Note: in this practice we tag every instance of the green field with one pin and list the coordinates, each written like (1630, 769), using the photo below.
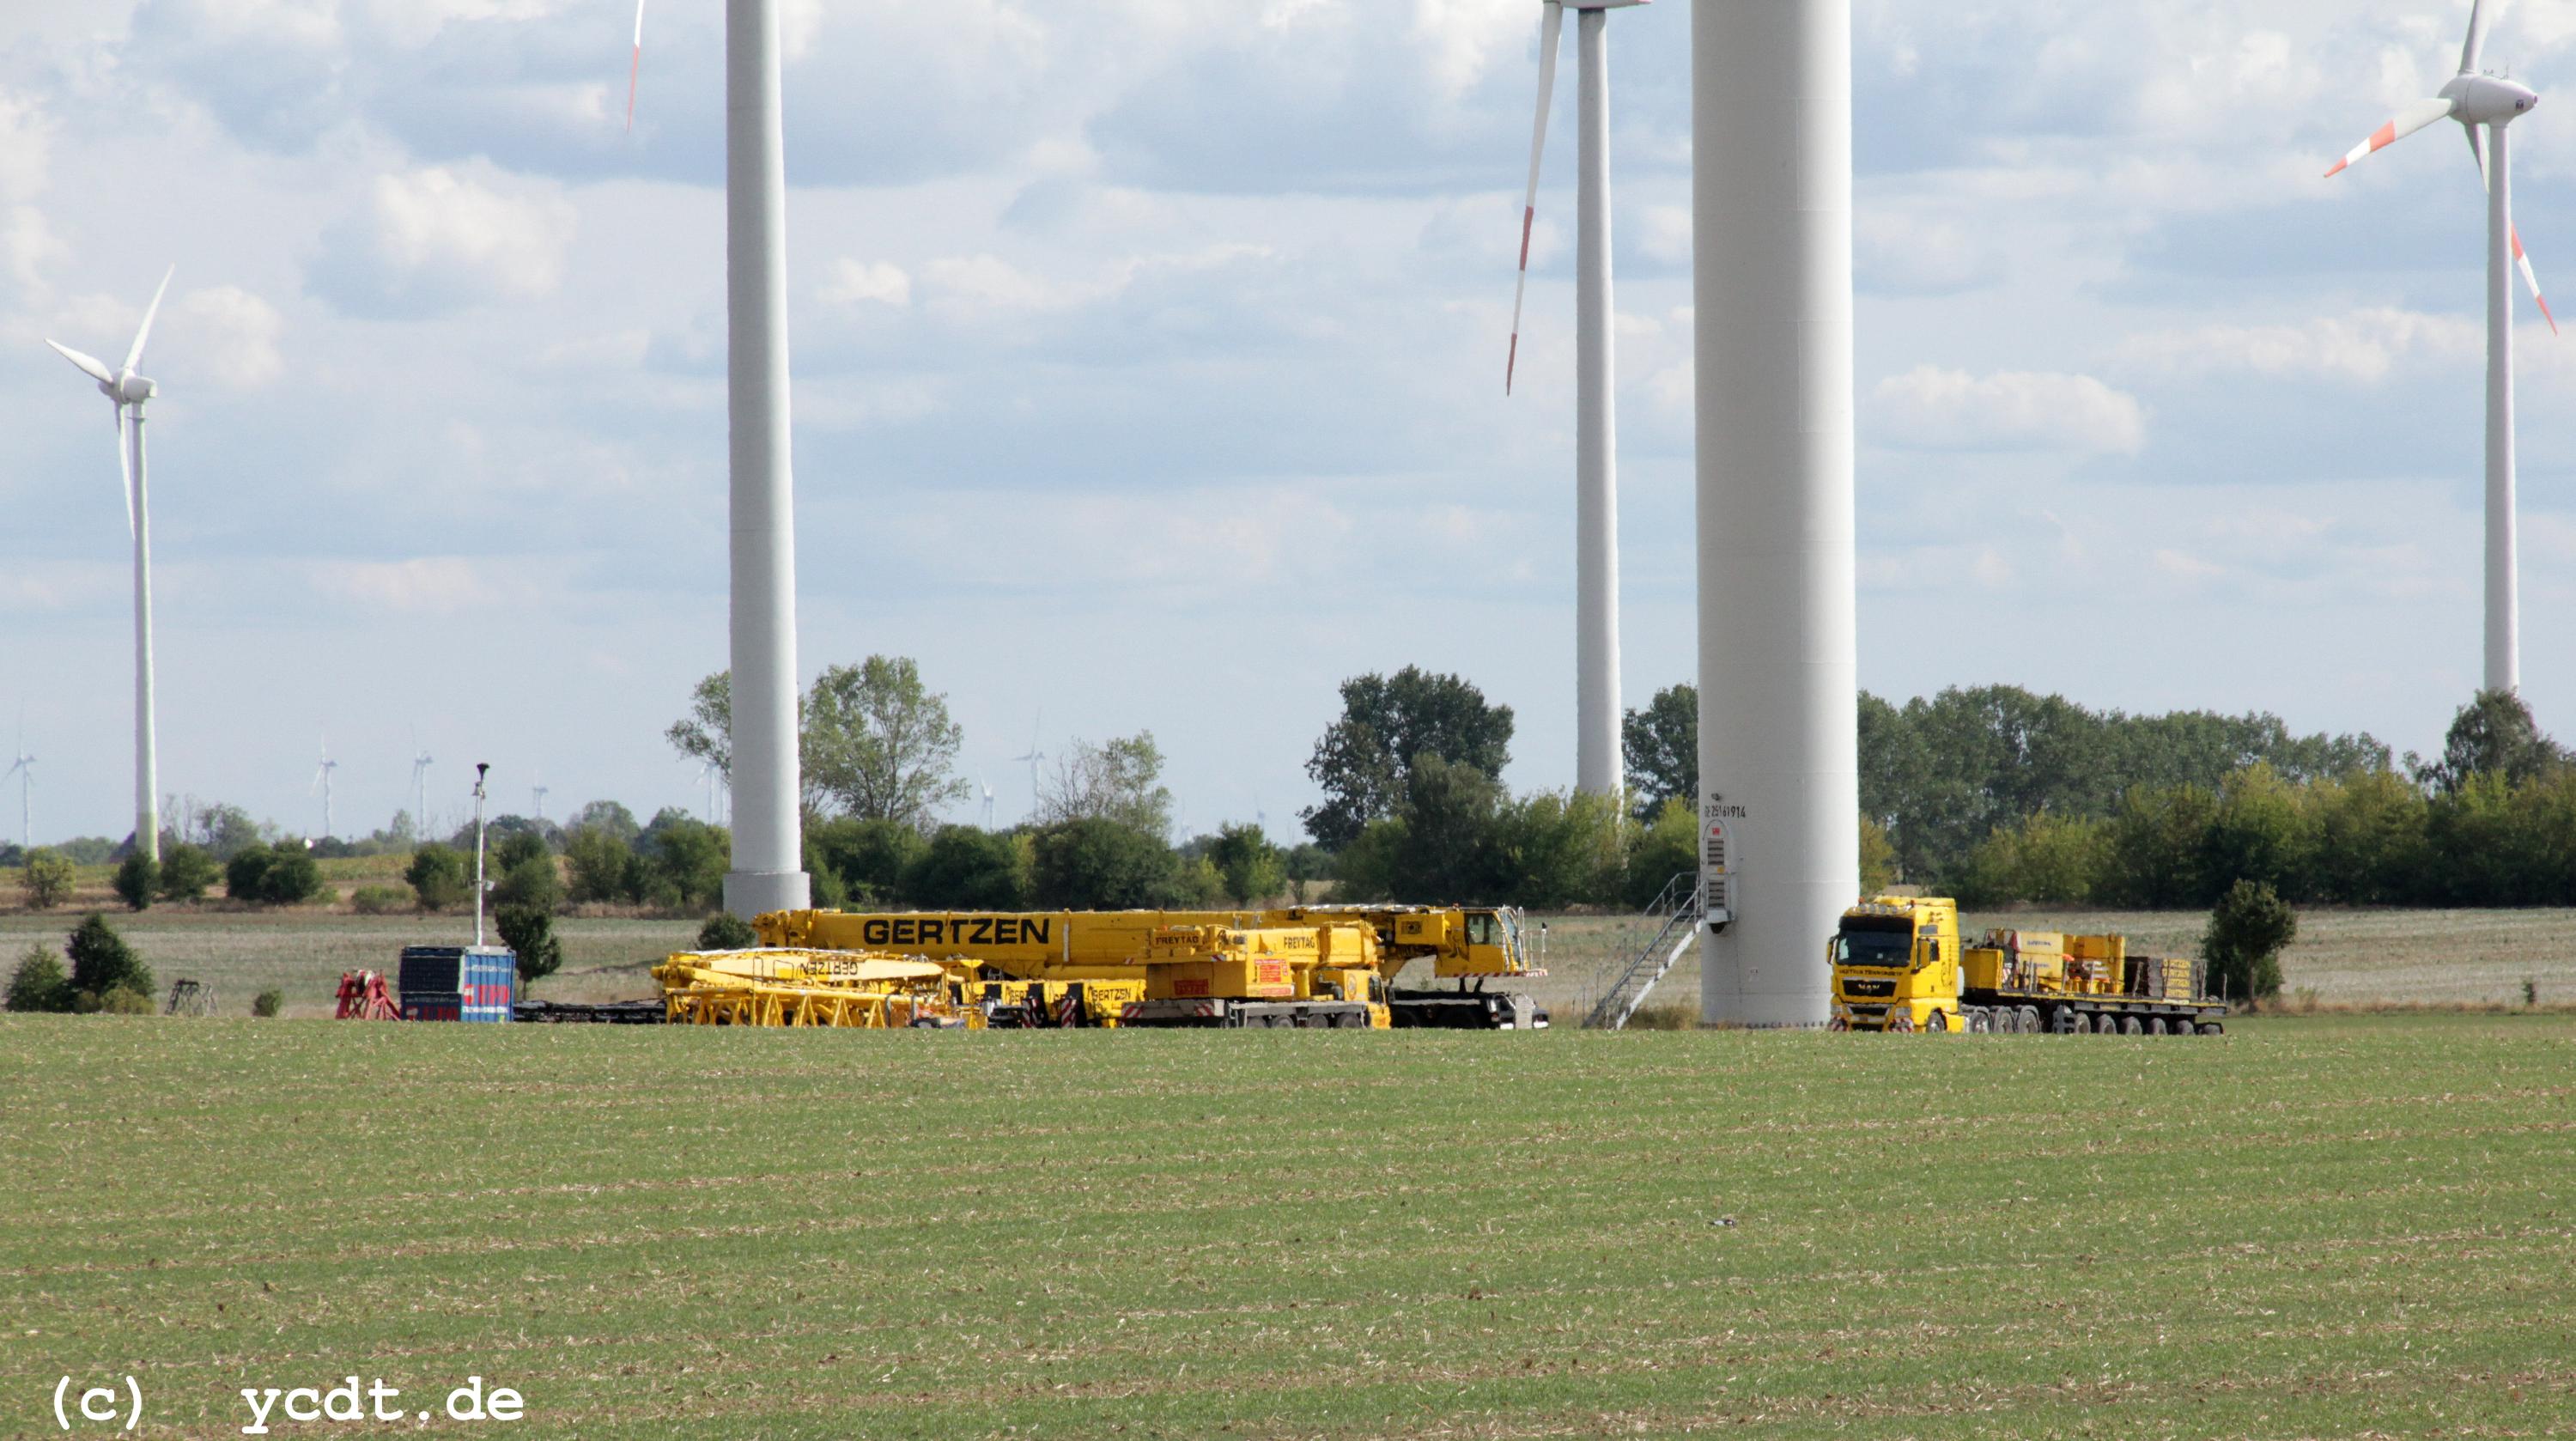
(2314, 1226)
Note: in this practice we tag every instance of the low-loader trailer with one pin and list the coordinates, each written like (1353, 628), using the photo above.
(1898, 965)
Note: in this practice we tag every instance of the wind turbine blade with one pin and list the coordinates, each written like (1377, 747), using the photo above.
(2523, 262)
(90, 365)
(635, 71)
(2477, 41)
(134, 357)
(1550, 30)
(2409, 120)
(125, 468)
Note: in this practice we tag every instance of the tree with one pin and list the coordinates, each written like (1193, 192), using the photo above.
(684, 861)
(528, 877)
(1098, 864)
(1552, 849)
(1306, 864)
(705, 734)
(2247, 931)
(603, 865)
(1118, 781)
(868, 857)
(1877, 858)
(530, 931)
(2494, 734)
(437, 875)
(2154, 851)
(186, 871)
(880, 744)
(607, 816)
(1249, 866)
(968, 869)
(138, 877)
(2263, 832)
(280, 875)
(1667, 845)
(46, 879)
(1365, 760)
(725, 931)
(39, 985)
(102, 964)
(1449, 813)
(2370, 847)
(1662, 745)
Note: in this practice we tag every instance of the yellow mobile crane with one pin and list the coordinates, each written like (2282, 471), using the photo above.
(1221, 968)
(1898, 965)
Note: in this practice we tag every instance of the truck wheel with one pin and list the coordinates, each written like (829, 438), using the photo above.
(2029, 1020)
(2129, 1026)
(1838, 1023)
(1936, 1024)
(2155, 1025)
(2212, 1028)
(1981, 1022)
(1902, 1026)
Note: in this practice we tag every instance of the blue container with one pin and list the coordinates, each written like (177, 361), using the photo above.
(458, 983)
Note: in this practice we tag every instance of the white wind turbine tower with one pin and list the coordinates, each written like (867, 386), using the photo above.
(129, 391)
(322, 783)
(1598, 767)
(420, 764)
(23, 766)
(1035, 758)
(987, 788)
(2484, 105)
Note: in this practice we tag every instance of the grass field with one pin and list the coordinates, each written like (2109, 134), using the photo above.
(2314, 1226)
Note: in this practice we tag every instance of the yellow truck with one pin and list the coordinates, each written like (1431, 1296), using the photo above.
(1306, 966)
(1899, 965)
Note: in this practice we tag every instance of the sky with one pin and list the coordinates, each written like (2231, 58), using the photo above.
(1148, 376)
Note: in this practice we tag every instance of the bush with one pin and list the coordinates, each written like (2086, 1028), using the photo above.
(46, 879)
(380, 900)
(870, 858)
(280, 875)
(39, 985)
(268, 1003)
(968, 869)
(1100, 865)
(102, 962)
(1365, 869)
(530, 931)
(684, 860)
(119, 1001)
(437, 876)
(725, 931)
(2243, 943)
(530, 881)
(603, 866)
(1250, 867)
(186, 872)
(1553, 849)
(138, 878)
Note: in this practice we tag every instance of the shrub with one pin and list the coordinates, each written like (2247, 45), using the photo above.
(2243, 943)
(379, 900)
(246, 874)
(138, 878)
(1100, 865)
(530, 880)
(119, 1001)
(968, 869)
(437, 876)
(186, 872)
(268, 1003)
(102, 963)
(530, 931)
(293, 876)
(1250, 867)
(39, 985)
(1365, 869)
(603, 866)
(685, 861)
(46, 878)
(725, 931)
(870, 857)
(1664, 847)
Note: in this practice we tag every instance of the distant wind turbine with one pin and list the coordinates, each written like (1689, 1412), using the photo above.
(23, 766)
(987, 788)
(540, 793)
(1034, 758)
(129, 391)
(420, 764)
(2478, 100)
(635, 70)
(322, 783)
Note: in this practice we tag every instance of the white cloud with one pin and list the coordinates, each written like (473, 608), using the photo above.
(1902, 254)
(230, 335)
(859, 282)
(435, 239)
(2362, 346)
(1937, 409)
(427, 585)
(27, 246)
(25, 146)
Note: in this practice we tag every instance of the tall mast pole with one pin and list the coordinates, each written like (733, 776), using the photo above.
(768, 850)
(1598, 767)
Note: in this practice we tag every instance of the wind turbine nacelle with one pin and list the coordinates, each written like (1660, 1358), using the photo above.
(133, 389)
(2487, 100)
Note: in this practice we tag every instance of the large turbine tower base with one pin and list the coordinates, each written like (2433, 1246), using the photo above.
(1599, 768)
(2503, 608)
(1778, 737)
(768, 847)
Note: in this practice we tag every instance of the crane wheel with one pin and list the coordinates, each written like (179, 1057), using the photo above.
(2212, 1028)
(1936, 1024)
(2029, 1020)
(2155, 1025)
(2129, 1026)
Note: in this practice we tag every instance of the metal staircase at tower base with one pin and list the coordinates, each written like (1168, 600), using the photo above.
(1679, 903)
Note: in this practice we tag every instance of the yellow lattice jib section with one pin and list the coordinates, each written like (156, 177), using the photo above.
(780, 987)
